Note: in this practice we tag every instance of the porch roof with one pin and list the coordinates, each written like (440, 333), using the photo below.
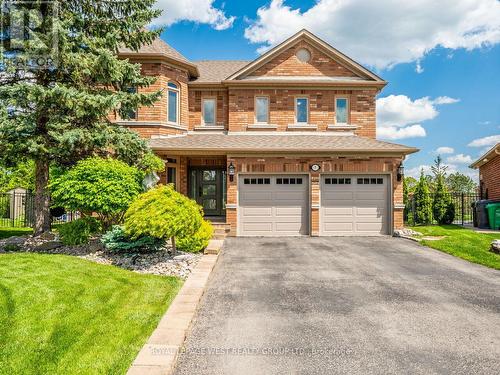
(277, 143)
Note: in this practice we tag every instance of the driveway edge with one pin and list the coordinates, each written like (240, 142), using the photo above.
(159, 355)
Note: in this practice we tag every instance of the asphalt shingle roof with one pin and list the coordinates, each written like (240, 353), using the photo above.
(299, 143)
(215, 71)
(158, 46)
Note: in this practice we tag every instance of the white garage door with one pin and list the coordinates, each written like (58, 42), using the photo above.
(354, 205)
(273, 205)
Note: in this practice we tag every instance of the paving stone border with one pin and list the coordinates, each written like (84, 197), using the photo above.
(158, 356)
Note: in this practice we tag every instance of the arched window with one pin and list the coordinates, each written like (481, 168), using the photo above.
(173, 102)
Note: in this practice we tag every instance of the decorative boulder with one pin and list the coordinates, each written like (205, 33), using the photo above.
(495, 247)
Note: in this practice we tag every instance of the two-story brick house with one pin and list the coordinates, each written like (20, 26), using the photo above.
(282, 145)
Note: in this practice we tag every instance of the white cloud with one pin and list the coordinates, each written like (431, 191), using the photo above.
(418, 67)
(382, 33)
(199, 11)
(392, 132)
(459, 159)
(398, 116)
(444, 150)
(485, 141)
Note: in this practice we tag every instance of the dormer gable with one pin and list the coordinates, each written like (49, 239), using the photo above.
(304, 56)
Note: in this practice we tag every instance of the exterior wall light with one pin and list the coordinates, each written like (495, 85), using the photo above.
(231, 170)
(401, 171)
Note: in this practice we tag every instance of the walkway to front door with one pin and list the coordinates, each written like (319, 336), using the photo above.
(208, 187)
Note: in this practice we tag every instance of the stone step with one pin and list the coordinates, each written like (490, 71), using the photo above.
(214, 246)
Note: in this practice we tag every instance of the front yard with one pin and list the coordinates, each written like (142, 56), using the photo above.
(65, 315)
(463, 243)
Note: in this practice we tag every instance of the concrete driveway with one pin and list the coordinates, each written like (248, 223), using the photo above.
(344, 305)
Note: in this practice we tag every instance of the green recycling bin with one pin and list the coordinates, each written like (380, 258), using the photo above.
(493, 215)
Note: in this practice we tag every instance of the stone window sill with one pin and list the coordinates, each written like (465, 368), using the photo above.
(262, 126)
(209, 127)
(303, 126)
(170, 125)
(342, 127)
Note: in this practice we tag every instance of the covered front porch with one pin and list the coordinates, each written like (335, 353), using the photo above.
(203, 179)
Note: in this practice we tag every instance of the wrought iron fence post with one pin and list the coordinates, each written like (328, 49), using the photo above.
(463, 209)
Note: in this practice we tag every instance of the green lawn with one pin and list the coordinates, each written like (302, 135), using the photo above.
(65, 315)
(9, 232)
(463, 243)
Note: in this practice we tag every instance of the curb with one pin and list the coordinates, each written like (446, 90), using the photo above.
(159, 355)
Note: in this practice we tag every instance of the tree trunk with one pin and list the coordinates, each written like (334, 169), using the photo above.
(174, 248)
(42, 198)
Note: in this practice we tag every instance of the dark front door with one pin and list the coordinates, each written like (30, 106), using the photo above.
(207, 188)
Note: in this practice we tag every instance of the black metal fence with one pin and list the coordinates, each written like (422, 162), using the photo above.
(463, 208)
(17, 210)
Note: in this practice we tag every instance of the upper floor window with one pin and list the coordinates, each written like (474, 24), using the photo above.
(262, 109)
(301, 110)
(208, 108)
(132, 113)
(173, 103)
(341, 110)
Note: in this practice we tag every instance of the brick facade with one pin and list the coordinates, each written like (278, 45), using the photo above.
(235, 112)
(489, 176)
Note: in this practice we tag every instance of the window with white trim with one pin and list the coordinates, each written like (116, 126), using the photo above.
(173, 102)
(341, 111)
(262, 109)
(301, 110)
(208, 107)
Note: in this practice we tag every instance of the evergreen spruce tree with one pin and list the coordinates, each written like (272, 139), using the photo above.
(441, 205)
(56, 112)
(423, 201)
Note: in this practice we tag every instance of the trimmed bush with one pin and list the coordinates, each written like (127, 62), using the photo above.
(199, 240)
(117, 240)
(104, 186)
(163, 213)
(78, 232)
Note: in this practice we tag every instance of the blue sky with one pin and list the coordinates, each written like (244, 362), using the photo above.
(441, 59)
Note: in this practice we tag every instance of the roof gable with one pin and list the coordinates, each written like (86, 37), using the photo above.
(325, 61)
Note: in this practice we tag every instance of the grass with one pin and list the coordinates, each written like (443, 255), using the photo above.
(463, 243)
(65, 315)
(6, 232)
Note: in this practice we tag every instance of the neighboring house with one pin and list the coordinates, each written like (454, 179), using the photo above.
(489, 173)
(282, 145)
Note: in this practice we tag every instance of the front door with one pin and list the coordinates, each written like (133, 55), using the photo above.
(207, 188)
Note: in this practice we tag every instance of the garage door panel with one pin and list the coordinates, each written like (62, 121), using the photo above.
(370, 195)
(281, 208)
(258, 226)
(257, 211)
(289, 211)
(338, 227)
(338, 211)
(249, 197)
(359, 208)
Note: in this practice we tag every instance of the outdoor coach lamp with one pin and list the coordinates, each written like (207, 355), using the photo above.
(231, 171)
(401, 171)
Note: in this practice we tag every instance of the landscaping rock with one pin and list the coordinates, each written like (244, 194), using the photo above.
(495, 247)
(13, 241)
(406, 232)
(47, 246)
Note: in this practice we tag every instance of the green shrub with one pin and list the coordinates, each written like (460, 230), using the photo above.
(117, 240)
(104, 186)
(423, 201)
(199, 240)
(78, 232)
(163, 213)
(449, 215)
(11, 247)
